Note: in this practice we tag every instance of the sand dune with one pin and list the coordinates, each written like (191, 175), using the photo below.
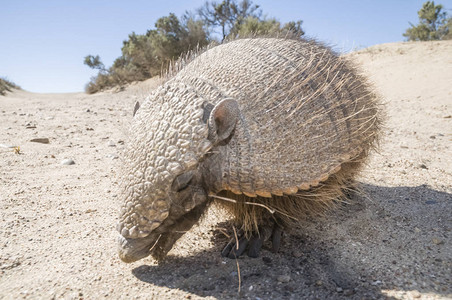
(57, 236)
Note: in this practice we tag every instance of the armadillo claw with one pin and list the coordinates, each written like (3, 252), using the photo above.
(252, 245)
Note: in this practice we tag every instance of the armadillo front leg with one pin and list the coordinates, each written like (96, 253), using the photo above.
(237, 246)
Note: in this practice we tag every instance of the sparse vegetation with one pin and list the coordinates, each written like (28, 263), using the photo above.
(434, 24)
(7, 86)
(255, 26)
(144, 56)
(147, 55)
(228, 15)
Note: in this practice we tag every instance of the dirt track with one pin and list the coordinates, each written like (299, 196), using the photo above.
(57, 233)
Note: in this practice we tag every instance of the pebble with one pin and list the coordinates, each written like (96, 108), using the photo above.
(30, 126)
(40, 140)
(415, 294)
(437, 241)
(349, 292)
(68, 162)
(297, 253)
(377, 282)
(111, 144)
(283, 278)
(423, 166)
(319, 282)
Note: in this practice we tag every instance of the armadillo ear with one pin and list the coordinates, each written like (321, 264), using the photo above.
(223, 119)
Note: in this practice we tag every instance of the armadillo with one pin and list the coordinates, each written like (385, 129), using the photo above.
(274, 128)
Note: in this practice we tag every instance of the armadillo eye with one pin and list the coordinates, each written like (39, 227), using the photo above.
(182, 181)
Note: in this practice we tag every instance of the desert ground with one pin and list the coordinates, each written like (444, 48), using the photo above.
(393, 241)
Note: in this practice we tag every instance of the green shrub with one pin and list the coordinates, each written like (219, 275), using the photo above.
(434, 24)
(255, 26)
(145, 56)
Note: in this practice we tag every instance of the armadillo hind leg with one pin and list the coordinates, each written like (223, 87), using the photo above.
(253, 243)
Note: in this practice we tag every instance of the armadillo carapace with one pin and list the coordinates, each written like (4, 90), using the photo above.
(274, 127)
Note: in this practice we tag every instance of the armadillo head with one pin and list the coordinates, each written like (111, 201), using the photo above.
(163, 185)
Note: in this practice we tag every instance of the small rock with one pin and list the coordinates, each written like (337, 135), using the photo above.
(283, 278)
(88, 110)
(68, 162)
(89, 129)
(40, 140)
(339, 290)
(415, 294)
(423, 166)
(447, 117)
(376, 282)
(319, 283)
(297, 253)
(437, 241)
(348, 292)
(111, 144)
(433, 137)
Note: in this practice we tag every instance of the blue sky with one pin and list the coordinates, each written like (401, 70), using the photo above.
(43, 43)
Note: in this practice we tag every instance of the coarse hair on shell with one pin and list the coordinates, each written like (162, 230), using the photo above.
(288, 210)
(324, 193)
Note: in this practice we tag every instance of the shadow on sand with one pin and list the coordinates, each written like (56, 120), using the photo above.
(394, 239)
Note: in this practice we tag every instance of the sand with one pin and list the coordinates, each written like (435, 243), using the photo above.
(57, 222)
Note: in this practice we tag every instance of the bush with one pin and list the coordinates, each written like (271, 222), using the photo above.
(145, 56)
(434, 24)
(255, 26)
(7, 86)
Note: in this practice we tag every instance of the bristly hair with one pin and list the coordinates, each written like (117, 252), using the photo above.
(326, 193)
(291, 209)
(174, 66)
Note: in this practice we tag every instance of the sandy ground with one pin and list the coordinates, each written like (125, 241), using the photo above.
(57, 222)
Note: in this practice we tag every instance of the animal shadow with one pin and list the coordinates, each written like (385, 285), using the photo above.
(391, 241)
